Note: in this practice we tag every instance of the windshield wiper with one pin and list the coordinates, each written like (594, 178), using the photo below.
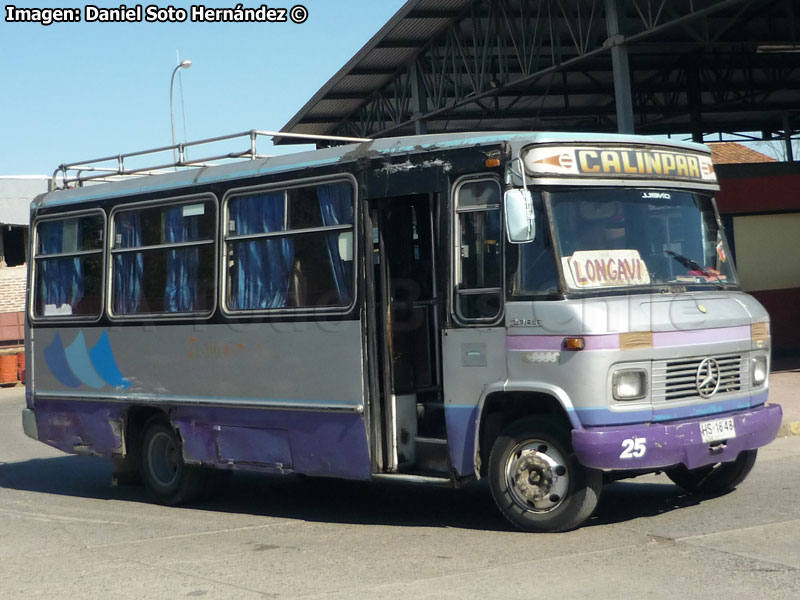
(693, 265)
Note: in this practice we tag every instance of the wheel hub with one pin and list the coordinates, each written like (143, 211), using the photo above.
(537, 476)
(533, 478)
(163, 458)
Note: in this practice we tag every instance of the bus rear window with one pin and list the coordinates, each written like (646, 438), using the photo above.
(68, 272)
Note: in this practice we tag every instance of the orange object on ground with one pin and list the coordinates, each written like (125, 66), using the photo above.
(21, 366)
(8, 368)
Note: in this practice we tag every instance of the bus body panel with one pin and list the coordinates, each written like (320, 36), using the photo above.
(216, 382)
(247, 361)
(580, 380)
(474, 361)
(678, 330)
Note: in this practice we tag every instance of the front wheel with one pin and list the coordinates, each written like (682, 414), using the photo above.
(536, 481)
(169, 480)
(714, 479)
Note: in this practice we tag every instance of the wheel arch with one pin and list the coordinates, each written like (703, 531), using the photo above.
(135, 419)
(498, 407)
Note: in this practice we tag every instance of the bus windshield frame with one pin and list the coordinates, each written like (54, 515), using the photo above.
(618, 240)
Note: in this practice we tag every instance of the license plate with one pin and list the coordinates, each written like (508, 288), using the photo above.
(717, 430)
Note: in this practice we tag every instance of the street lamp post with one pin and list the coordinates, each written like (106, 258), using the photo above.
(185, 64)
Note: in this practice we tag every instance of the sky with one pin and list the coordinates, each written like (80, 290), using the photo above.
(77, 91)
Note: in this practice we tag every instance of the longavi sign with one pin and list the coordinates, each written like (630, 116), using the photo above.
(588, 269)
(619, 163)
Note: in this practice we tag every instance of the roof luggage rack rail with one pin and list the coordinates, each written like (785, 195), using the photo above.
(78, 173)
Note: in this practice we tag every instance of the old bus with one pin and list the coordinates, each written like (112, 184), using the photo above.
(546, 311)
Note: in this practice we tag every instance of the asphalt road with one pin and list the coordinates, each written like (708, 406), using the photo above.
(65, 532)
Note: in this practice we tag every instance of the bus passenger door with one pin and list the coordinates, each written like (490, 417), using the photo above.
(405, 321)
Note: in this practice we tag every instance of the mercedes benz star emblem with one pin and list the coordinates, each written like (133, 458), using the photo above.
(707, 378)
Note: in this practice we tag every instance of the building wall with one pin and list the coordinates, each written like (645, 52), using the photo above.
(12, 305)
(16, 194)
(761, 205)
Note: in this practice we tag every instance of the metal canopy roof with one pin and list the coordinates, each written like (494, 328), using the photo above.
(694, 67)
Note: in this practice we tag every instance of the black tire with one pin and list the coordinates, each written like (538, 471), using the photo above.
(168, 479)
(714, 479)
(534, 451)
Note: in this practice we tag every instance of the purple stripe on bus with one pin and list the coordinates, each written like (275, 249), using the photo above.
(81, 428)
(556, 342)
(320, 443)
(461, 421)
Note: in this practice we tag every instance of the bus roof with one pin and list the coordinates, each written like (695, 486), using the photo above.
(144, 184)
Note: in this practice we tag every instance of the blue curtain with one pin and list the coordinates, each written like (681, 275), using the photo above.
(263, 267)
(61, 278)
(336, 204)
(181, 292)
(129, 267)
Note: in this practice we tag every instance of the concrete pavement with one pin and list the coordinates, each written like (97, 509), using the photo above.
(65, 532)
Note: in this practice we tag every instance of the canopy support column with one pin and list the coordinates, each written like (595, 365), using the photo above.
(622, 72)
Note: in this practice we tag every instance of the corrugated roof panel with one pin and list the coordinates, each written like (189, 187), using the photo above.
(417, 29)
(441, 4)
(334, 107)
(392, 58)
(312, 129)
(315, 129)
(356, 83)
(16, 194)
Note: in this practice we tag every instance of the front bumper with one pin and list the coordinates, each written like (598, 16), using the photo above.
(662, 445)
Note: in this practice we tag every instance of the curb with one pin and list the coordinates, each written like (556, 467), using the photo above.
(789, 428)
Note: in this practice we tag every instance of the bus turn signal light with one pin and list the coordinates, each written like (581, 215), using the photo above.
(574, 343)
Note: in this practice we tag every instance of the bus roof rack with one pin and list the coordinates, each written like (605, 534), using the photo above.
(95, 170)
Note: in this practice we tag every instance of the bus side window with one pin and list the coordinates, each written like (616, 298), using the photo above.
(69, 267)
(163, 259)
(479, 268)
(289, 248)
(531, 267)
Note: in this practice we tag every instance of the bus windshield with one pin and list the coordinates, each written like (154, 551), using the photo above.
(621, 238)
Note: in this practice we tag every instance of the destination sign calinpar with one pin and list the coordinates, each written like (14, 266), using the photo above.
(619, 163)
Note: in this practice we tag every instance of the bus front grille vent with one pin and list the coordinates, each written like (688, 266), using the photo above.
(678, 379)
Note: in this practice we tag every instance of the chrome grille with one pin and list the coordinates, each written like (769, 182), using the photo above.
(676, 379)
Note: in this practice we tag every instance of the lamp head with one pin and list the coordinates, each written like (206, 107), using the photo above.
(185, 64)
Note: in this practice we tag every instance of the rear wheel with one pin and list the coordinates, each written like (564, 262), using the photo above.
(714, 479)
(169, 480)
(536, 481)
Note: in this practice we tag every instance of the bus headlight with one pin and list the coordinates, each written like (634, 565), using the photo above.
(629, 384)
(759, 370)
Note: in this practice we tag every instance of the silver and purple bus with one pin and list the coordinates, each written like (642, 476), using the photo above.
(548, 311)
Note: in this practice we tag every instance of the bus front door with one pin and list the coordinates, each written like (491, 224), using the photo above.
(406, 314)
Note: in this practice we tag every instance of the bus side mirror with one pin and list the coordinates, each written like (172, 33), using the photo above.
(520, 217)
